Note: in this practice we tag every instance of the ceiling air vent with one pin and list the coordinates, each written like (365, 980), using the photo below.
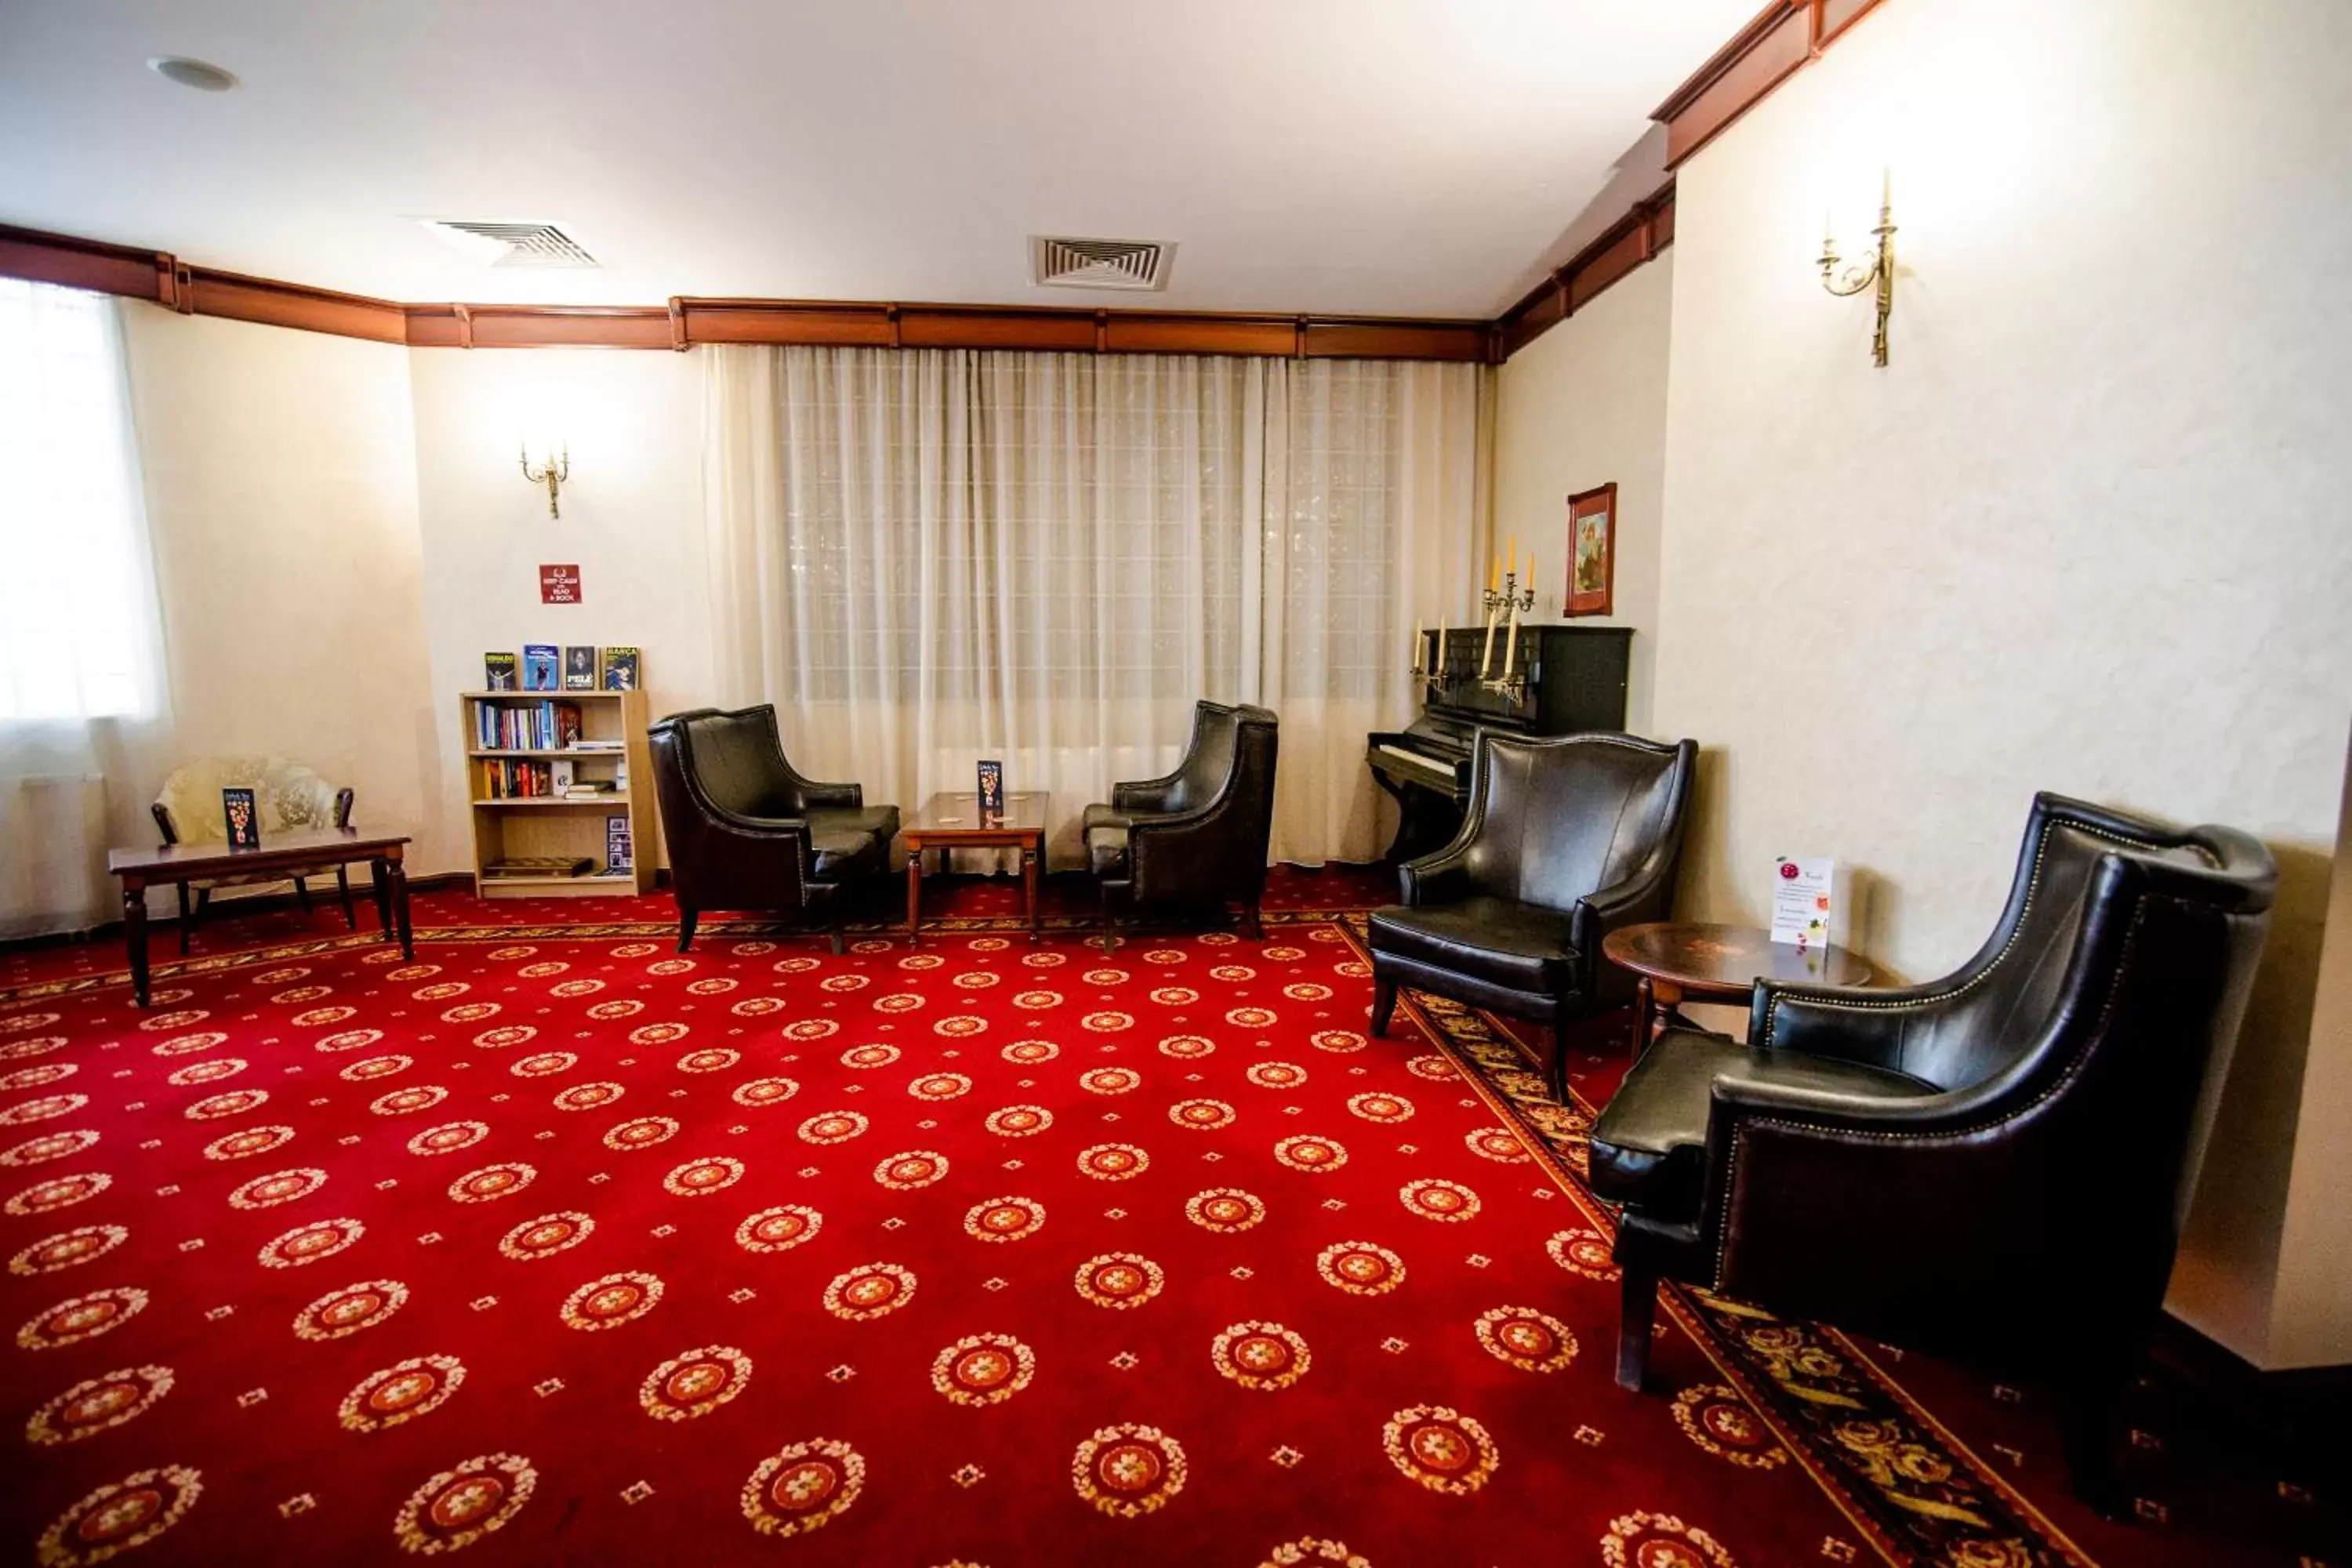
(1062, 263)
(513, 244)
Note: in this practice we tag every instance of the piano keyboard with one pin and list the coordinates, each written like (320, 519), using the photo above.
(1419, 762)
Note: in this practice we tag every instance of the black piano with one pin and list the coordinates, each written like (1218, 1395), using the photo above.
(1576, 681)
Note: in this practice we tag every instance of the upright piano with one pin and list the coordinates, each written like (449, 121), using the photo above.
(1576, 681)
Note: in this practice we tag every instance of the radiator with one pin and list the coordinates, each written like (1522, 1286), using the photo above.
(53, 854)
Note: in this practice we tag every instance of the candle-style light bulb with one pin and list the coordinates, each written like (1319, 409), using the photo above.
(1493, 574)
(1511, 641)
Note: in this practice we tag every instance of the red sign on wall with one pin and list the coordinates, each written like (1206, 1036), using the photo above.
(559, 584)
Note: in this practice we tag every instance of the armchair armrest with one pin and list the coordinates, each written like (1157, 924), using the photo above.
(1143, 797)
(768, 827)
(830, 794)
(1795, 1177)
(1438, 877)
(1848, 1022)
(1647, 895)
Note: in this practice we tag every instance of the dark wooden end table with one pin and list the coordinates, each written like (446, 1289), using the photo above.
(287, 853)
(1682, 960)
(954, 821)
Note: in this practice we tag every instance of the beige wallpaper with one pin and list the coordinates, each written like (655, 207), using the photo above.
(281, 495)
(632, 519)
(1584, 406)
(2085, 533)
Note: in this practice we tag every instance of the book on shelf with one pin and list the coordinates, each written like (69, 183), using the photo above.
(539, 661)
(542, 726)
(579, 786)
(579, 668)
(583, 743)
(506, 778)
(498, 672)
(540, 866)
(619, 853)
(559, 777)
(622, 669)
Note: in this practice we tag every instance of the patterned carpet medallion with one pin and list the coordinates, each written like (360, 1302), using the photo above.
(556, 1246)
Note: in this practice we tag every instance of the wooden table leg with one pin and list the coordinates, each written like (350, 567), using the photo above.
(1664, 997)
(383, 899)
(134, 934)
(1030, 855)
(1645, 1015)
(395, 877)
(914, 898)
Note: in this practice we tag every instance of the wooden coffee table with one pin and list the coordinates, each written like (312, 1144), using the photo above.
(1682, 960)
(285, 853)
(954, 821)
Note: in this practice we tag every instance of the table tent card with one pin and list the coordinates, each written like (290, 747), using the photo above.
(1809, 903)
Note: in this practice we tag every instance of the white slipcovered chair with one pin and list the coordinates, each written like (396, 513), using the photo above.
(288, 797)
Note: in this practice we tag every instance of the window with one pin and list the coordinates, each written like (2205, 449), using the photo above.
(74, 581)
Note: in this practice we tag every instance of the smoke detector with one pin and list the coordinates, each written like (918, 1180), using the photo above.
(511, 244)
(1058, 261)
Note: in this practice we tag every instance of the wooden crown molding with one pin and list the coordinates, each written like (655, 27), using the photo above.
(1637, 238)
(687, 322)
(1782, 38)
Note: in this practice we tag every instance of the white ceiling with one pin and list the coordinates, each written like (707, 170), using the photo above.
(1409, 157)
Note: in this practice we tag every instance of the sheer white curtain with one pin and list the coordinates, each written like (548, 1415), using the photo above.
(81, 694)
(928, 557)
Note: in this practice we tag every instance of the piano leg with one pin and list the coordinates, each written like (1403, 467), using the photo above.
(1427, 820)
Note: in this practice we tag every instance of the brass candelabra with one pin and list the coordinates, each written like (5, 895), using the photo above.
(1879, 273)
(1511, 600)
(554, 472)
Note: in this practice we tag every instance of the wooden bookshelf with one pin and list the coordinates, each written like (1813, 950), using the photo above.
(525, 826)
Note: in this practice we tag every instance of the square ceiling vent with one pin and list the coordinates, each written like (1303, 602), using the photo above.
(1058, 261)
(511, 244)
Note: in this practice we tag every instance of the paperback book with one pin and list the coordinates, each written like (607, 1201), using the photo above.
(579, 670)
(619, 853)
(539, 667)
(499, 672)
(623, 670)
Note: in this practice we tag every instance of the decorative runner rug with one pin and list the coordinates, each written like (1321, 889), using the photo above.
(556, 1246)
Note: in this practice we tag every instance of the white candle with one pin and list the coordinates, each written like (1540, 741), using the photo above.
(1417, 645)
(1511, 641)
(1440, 665)
(1486, 653)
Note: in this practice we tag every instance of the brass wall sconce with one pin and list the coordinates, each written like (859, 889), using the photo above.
(1880, 271)
(553, 473)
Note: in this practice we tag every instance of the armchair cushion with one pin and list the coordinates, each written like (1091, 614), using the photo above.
(876, 824)
(1106, 848)
(1502, 941)
(1649, 1146)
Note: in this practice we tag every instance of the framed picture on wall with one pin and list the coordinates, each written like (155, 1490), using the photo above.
(1592, 551)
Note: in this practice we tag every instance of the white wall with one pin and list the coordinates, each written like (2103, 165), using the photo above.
(632, 520)
(1581, 406)
(2087, 533)
(281, 496)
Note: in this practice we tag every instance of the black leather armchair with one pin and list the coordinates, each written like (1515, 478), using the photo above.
(746, 832)
(1198, 835)
(1992, 1167)
(1564, 840)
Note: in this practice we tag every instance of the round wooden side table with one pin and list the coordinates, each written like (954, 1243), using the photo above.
(1682, 960)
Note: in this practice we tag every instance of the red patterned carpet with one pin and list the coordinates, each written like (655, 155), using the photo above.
(554, 1247)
